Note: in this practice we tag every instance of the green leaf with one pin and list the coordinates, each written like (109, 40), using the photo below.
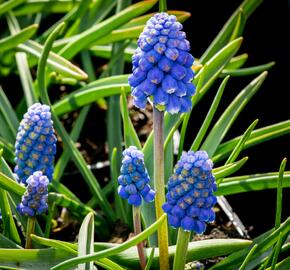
(248, 257)
(10, 185)
(247, 71)
(249, 183)
(91, 93)
(7, 243)
(276, 251)
(207, 121)
(256, 137)
(55, 61)
(8, 150)
(86, 241)
(230, 114)
(114, 250)
(229, 169)
(84, 39)
(8, 5)
(279, 194)
(105, 51)
(197, 250)
(38, 259)
(8, 113)
(237, 61)
(78, 159)
(131, 137)
(265, 242)
(224, 36)
(22, 36)
(48, 6)
(282, 265)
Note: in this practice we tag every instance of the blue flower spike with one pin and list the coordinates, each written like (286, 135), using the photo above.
(34, 200)
(190, 197)
(134, 179)
(35, 143)
(162, 66)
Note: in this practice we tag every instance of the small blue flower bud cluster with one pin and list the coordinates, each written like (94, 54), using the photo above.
(190, 195)
(35, 143)
(134, 179)
(34, 200)
(162, 66)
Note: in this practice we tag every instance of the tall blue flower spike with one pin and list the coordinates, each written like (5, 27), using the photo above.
(162, 66)
(34, 200)
(134, 179)
(190, 197)
(35, 143)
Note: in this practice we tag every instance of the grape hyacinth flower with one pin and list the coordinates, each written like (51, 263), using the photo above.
(162, 66)
(190, 197)
(34, 200)
(35, 143)
(134, 179)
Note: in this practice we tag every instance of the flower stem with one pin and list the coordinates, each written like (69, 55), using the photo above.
(137, 230)
(181, 249)
(158, 121)
(29, 231)
(162, 6)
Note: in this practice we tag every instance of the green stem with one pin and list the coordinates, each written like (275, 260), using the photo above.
(158, 122)
(181, 249)
(29, 231)
(162, 5)
(137, 230)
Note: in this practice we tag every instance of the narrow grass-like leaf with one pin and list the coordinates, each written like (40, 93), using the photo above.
(26, 78)
(223, 37)
(256, 137)
(279, 194)
(150, 259)
(79, 160)
(247, 183)
(248, 257)
(276, 252)
(81, 98)
(8, 5)
(7, 243)
(131, 137)
(86, 241)
(224, 123)
(55, 62)
(22, 36)
(6, 132)
(282, 265)
(197, 250)
(105, 51)
(10, 185)
(8, 112)
(264, 242)
(34, 259)
(203, 129)
(247, 71)
(49, 6)
(229, 169)
(240, 145)
(239, 27)
(115, 250)
(237, 61)
(8, 150)
(84, 39)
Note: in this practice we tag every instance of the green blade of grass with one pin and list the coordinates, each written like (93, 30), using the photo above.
(86, 241)
(14, 40)
(237, 61)
(224, 123)
(257, 136)
(203, 129)
(115, 250)
(84, 39)
(279, 194)
(248, 257)
(8, 5)
(79, 160)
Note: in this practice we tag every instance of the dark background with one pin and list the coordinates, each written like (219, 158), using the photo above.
(265, 40)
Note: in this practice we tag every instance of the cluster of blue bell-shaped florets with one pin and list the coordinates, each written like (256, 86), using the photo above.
(35, 143)
(162, 66)
(190, 197)
(34, 200)
(134, 179)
